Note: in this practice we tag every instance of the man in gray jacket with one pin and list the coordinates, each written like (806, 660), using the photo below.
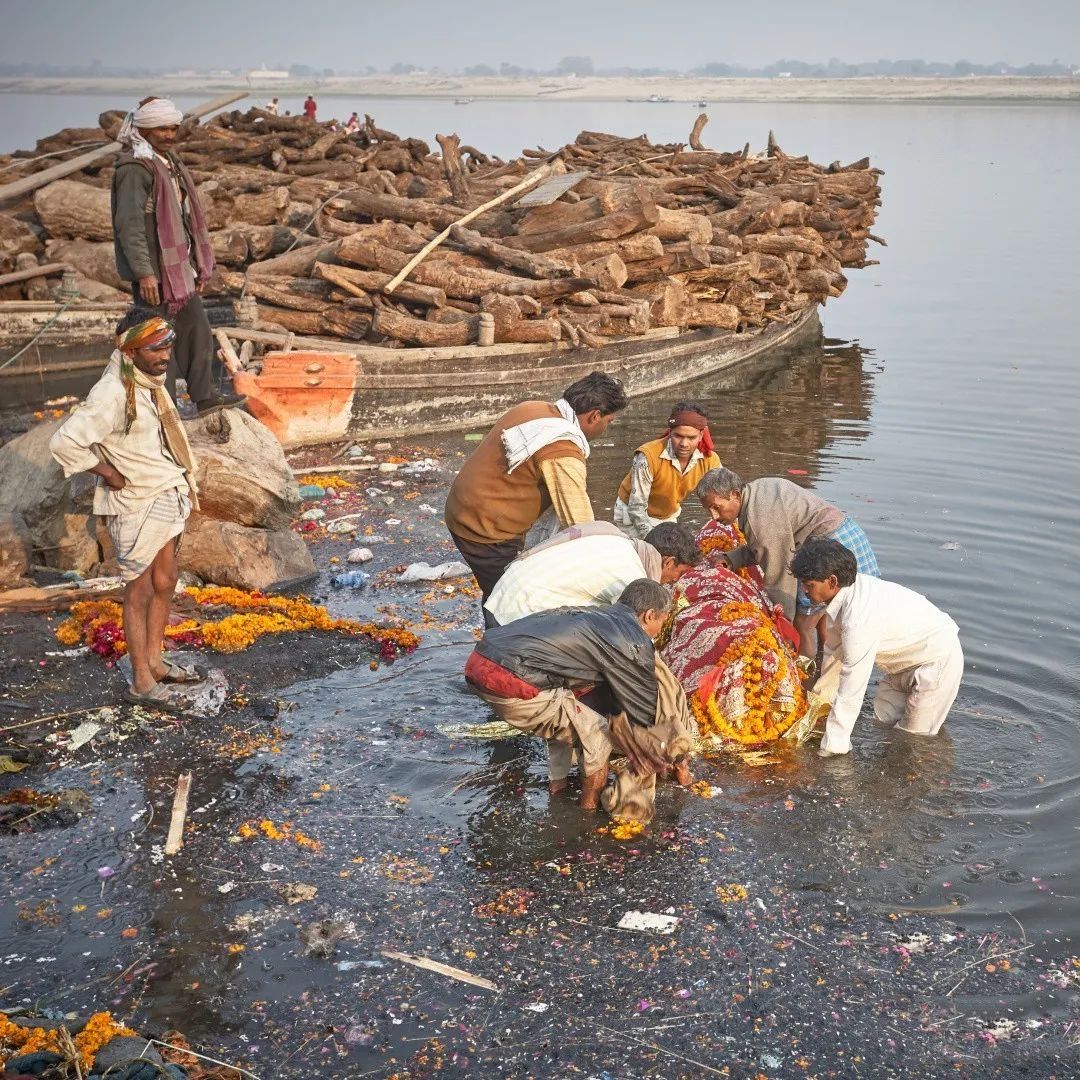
(163, 245)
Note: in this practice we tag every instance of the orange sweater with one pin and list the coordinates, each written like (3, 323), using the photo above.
(669, 486)
(486, 505)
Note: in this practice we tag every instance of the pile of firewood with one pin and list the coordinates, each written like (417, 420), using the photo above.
(316, 224)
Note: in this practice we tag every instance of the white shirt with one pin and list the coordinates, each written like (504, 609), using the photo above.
(876, 621)
(583, 572)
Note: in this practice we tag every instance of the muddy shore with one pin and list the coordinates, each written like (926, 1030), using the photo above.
(785, 961)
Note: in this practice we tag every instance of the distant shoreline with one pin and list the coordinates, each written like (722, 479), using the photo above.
(688, 90)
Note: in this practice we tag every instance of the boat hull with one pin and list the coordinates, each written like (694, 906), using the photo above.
(309, 397)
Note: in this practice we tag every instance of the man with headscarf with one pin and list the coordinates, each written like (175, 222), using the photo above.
(128, 433)
(163, 245)
(665, 471)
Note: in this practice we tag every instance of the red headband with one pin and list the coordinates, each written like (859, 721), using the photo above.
(692, 418)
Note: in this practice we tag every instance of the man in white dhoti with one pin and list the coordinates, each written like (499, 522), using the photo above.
(868, 622)
(129, 434)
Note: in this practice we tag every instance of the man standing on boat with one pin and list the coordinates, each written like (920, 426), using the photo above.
(129, 434)
(163, 245)
(531, 460)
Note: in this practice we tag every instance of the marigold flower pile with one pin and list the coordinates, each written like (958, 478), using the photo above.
(15, 1041)
(726, 542)
(99, 624)
(761, 664)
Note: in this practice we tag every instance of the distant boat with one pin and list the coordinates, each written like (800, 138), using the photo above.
(652, 99)
(702, 104)
(463, 101)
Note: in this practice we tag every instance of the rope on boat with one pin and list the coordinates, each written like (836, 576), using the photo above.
(12, 359)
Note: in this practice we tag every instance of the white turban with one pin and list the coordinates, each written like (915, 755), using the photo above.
(156, 113)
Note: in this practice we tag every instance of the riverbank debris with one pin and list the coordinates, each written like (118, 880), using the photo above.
(448, 970)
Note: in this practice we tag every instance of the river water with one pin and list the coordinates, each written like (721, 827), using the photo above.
(940, 412)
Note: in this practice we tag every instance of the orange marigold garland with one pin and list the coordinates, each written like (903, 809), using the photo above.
(722, 542)
(761, 663)
(99, 624)
(15, 1041)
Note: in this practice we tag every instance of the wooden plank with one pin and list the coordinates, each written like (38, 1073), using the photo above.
(551, 189)
(44, 270)
(17, 188)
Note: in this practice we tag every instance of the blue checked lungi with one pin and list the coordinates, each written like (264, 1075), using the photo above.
(858, 543)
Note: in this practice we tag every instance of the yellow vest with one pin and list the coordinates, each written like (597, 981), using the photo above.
(669, 486)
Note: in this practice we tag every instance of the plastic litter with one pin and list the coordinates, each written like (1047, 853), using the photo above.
(360, 555)
(648, 922)
(311, 491)
(422, 571)
(316, 513)
(426, 508)
(341, 526)
(388, 466)
(350, 579)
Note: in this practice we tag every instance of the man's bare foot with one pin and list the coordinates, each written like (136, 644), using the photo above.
(556, 787)
(683, 775)
(591, 786)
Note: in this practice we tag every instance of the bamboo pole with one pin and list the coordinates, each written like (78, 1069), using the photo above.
(17, 188)
(31, 272)
(533, 178)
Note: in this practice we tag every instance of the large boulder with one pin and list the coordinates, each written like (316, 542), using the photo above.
(242, 472)
(228, 554)
(240, 538)
(16, 550)
(69, 209)
(94, 259)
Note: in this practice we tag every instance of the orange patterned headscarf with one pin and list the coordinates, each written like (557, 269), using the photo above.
(152, 334)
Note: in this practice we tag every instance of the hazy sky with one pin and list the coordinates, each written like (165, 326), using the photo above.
(351, 34)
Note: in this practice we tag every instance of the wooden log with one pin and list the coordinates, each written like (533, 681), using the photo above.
(230, 247)
(71, 210)
(696, 130)
(175, 839)
(393, 324)
(558, 215)
(607, 272)
(637, 246)
(642, 214)
(35, 271)
(775, 244)
(274, 294)
(19, 188)
(704, 313)
(529, 181)
(682, 225)
(691, 257)
(297, 262)
(453, 169)
(360, 203)
(669, 301)
(36, 287)
(266, 208)
(364, 282)
(538, 266)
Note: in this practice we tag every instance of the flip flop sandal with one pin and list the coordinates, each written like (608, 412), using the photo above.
(182, 675)
(158, 699)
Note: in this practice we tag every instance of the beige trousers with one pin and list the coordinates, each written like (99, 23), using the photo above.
(916, 700)
(563, 722)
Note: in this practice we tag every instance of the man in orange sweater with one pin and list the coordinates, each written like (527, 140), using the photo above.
(533, 458)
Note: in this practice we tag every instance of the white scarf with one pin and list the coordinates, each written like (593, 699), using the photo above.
(157, 112)
(521, 442)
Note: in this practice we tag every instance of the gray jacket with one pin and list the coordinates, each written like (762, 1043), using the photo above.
(581, 646)
(134, 223)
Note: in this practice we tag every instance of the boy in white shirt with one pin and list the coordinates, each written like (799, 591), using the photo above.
(868, 622)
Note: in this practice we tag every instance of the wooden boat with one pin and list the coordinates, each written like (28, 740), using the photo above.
(321, 390)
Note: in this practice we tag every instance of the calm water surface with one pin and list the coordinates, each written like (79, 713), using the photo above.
(941, 414)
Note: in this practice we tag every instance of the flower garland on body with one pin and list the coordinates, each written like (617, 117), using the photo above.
(718, 537)
(99, 624)
(759, 665)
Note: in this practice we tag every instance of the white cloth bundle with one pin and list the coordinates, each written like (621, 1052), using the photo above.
(521, 442)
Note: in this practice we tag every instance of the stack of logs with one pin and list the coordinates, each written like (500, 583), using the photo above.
(314, 224)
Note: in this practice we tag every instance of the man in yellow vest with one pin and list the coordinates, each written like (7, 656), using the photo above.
(665, 471)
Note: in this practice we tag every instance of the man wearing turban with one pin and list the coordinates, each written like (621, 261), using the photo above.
(127, 432)
(163, 245)
(665, 470)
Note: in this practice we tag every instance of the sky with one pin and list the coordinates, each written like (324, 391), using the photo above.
(349, 35)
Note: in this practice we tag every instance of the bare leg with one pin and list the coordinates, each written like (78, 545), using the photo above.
(163, 575)
(137, 597)
(807, 623)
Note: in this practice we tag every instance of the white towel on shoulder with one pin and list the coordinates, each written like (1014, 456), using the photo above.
(521, 442)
